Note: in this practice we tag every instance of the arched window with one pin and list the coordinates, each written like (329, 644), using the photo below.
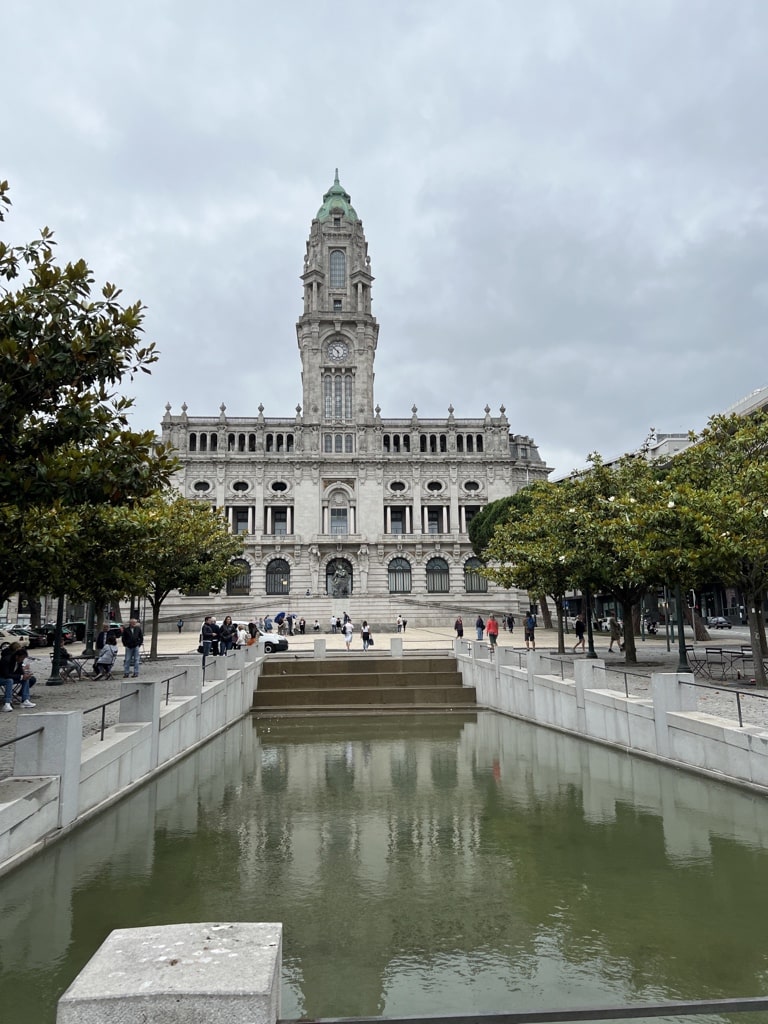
(479, 447)
(438, 577)
(214, 442)
(338, 443)
(386, 442)
(328, 395)
(251, 442)
(327, 442)
(423, 443)
(230, 442)
(240, 585)
(459, 442)
(474, 583)
(348, 443)
(395, 443)
(348, 396)
(278, 576)
(241, 442)
(470, 446)
(443, 443)
(406, 442)
(193, 442)
(399, 576)
(338, 268)
(338, 397)
(289, 442)
(203, 442)
(269, 442)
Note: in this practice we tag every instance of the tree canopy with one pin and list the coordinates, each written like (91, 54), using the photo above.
(65, 349)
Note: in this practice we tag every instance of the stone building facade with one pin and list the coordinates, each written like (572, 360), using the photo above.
(336, 503)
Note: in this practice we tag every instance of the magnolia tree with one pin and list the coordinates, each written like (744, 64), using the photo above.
(65, 349)
(530, 546)
(185, 546)
(721, 488)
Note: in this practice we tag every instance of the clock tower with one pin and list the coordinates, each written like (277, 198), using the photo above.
(337, 333)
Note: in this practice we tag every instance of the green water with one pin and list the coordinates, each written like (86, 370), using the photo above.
(420, 864)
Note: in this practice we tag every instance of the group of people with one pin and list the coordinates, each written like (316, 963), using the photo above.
(491, 628)
(16, 674)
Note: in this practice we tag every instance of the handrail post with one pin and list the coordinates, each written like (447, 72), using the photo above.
(54, 751)
(143, 707)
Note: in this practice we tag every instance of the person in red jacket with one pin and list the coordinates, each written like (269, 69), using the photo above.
(492, 629)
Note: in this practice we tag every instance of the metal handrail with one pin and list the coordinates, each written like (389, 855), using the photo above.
(24, 735)
(168, 682)
(736, 692)
(105, 705)
(673, 1009)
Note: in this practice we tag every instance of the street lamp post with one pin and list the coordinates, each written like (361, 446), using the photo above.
(55, 678)
(591, 653)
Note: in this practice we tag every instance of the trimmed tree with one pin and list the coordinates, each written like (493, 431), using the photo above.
(184, 546)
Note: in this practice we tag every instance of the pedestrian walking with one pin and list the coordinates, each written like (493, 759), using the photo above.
(348, 631)
(180, 625)
(479, 627)
(459, 627)
(365, 633)
(579, 627)
(530, 631)
(614, 627)
(492, 630)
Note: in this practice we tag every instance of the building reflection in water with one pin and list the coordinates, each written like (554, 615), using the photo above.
(419, 864)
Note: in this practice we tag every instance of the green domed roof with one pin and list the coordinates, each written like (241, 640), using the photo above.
(336, 198)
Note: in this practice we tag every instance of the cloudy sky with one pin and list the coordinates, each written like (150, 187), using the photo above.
(564, 200)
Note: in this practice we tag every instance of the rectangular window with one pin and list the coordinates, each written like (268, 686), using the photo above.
(240, 520)
(339, 521)
(280, 522)
(337, 305)
(435, 520)
(397, 520)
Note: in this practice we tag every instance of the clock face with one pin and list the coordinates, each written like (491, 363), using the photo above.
(338, 351)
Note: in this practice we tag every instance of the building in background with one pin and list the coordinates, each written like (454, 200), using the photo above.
(338, 505)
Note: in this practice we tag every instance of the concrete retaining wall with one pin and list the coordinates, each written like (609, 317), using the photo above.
(60, 778)
(667, 727)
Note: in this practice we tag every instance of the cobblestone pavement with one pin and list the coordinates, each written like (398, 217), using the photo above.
(177, 651)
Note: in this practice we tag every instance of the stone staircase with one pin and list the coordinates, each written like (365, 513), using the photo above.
(361, 683)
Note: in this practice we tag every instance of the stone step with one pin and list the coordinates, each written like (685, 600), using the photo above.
(351, 664)
(313, 680)
(348, 696)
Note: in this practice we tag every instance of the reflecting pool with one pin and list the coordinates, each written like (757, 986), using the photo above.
(429, 863)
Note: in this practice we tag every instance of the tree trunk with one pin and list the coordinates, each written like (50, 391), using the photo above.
(560, 637)
(155, 606)
(630, 651)
(545, 612)
(695, 621)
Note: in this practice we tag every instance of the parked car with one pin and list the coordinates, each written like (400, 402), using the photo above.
(718, 622)
(268, 642)
(78, 628)
(7, 637)
(29, 637)
(49, 631)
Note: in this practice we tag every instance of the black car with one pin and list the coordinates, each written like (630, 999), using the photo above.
(718, 622)
(49, 632)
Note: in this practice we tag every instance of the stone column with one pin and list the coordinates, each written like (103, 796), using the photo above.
(57, 750)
